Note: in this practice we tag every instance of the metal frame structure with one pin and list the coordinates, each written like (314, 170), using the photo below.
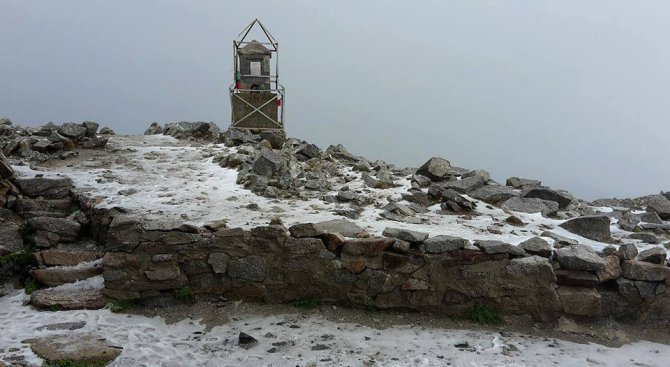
(276, 90)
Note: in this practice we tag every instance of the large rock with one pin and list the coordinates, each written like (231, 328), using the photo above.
(661, 206)
(499, 247)
(305, 230)
(6, 170)
(219, 262)
(29, 208)
(94, 142)
(78, 349)
(267, 163)
(654, 255)
(580, 301)
(563, 200)
(67, 299)
(64, 257)
(370, 247)
(193, 130)
(536, 246)
(531, 205)
(10, 232)
(467, 184)
(560, 240)
(55, 276)
(405, 235)
(154, 129)
(522, 183)
(436, 168)
(441, 244)
(628, 251)
(310, 151)
(579, 257)
(493, 194)
(594, 227)
(577, 278)
(645, 237)
(611, 271)
(72, 130)
(91, 128)
(276, 140)
(534, 268)
(342, 226)
(49, 188)
(297, 247)
(629, 220)
(107, 131)
(250, 268)
(63, 230)
(638, 270)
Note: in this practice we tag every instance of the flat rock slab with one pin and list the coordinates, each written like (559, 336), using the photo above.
(48, 188)
(562, 199)
(86, 348)
(536, 246)
(65, 257)
(342, 226)
(405, 235)
(579, 258)
(531, 205)
(52, 277)
(493, 194)
(75, 299)
(593, 227)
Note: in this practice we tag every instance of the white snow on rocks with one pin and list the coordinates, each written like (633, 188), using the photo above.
(159, 177)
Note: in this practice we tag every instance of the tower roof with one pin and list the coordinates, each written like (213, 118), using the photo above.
(254, 48)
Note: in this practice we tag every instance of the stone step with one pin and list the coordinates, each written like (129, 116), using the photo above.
(68, 299)
(57, 208)
(65, 257)
(55, 276)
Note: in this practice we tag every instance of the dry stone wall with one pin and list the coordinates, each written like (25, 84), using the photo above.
(405, 270)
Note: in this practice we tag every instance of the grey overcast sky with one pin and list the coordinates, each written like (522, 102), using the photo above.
(576, 93)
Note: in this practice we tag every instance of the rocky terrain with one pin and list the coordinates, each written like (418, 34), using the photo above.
(91, 219)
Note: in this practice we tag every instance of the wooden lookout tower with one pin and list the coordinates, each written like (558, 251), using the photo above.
(256, 97)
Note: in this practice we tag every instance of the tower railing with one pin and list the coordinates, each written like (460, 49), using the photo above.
(264, 106)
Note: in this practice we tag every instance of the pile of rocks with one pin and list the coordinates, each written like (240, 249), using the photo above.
(197, 130)
(50, 141)
(273, 166)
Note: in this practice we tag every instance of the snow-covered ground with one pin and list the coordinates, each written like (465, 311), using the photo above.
(307, 340)
(174, 180)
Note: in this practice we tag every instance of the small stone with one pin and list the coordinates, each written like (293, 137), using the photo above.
(515, 221)
(247, 341)
(320, 347)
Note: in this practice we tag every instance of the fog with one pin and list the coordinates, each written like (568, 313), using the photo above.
(576, 93)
